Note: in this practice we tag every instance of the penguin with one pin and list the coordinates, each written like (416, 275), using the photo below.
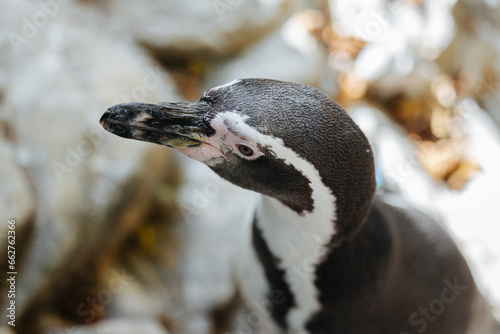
(323, 254)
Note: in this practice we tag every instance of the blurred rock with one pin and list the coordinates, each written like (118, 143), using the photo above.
(58, 82)
(291, 53)
(402, 38)
(6, 330)
(472, 214)
(211, 211)
(398, 169)
(216, 28)
(408, 65)
(116, 326)
(211, 231)
(476, 40)
(17, 201)
(144, 290)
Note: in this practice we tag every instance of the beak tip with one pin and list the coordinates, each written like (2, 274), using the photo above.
(104, 118)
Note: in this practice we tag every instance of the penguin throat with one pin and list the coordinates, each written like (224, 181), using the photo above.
(298, 243)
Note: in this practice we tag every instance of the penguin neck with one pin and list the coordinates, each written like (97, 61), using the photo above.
(296, 239)
(290, 246)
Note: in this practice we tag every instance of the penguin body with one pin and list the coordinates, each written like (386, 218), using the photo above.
(323, 254)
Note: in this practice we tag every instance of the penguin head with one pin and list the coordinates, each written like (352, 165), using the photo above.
(277, 138)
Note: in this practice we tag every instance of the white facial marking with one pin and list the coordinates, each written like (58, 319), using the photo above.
(211, 151)
(205, 153)
(300, 242)
(226, 85)
(226, 139)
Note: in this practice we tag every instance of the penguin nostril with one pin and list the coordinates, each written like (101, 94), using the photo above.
(245, 150)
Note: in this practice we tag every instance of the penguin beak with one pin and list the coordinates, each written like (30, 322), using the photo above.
(178, 125)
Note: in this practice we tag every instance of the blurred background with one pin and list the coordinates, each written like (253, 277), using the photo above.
(119, 236)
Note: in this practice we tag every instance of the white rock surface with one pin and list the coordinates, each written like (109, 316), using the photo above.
(403, 38)
(118, 326)
(213, 212)
(194, 27)
(472, 214)
(397, 167)
(290, 53)
(6, 330)
(54, 92)
(17, 201)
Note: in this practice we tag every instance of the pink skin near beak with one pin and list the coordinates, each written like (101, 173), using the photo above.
(212, 147)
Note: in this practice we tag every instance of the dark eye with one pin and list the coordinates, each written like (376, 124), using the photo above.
(245, 150)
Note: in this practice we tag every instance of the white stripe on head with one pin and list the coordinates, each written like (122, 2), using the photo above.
(299, 241)
(226, 85)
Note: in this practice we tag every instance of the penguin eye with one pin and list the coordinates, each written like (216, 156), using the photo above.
(245, 150)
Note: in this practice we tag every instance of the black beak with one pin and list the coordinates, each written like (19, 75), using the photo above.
(177, 125)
